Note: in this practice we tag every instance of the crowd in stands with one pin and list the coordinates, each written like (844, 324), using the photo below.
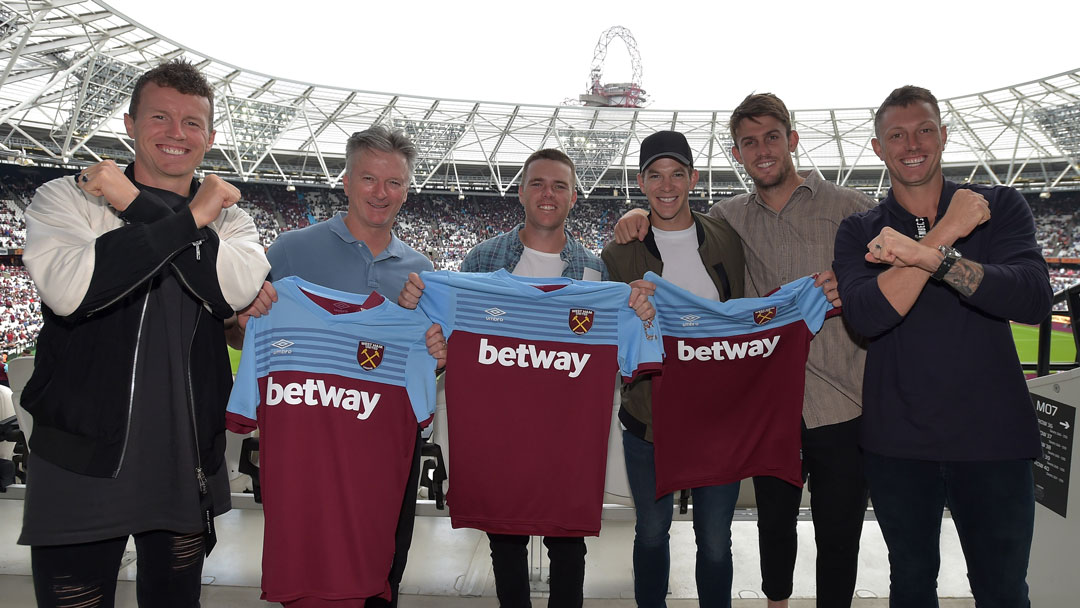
(1057, 226)
(12, 226)
(442, 226)
(20, 315)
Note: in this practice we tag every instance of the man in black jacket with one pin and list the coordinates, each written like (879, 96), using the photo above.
(138, 271)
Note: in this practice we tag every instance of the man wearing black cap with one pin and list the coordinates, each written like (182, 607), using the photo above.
(702, 255)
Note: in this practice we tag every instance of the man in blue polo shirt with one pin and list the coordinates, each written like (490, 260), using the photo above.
(356, 251)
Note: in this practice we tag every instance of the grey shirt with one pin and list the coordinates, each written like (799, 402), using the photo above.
(795, 242)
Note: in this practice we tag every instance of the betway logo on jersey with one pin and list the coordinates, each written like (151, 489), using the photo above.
(317, 392)
(527, 355)
(723, 350)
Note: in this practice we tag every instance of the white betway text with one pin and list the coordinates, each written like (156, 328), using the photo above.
(724, 350)
(527, 355)
(316, 392)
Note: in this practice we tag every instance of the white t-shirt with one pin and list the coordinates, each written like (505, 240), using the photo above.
(539, 264)
(682, 263)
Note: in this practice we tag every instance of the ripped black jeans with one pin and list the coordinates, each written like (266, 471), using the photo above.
(84, 575)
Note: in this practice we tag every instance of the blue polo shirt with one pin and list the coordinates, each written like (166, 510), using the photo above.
(328, 254)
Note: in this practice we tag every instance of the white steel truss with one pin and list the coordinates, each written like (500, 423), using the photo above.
(253, 128)
(66, 65)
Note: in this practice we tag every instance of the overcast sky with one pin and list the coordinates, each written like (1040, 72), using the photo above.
(824, 54)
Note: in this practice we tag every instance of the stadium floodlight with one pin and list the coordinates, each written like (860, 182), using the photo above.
(434, 141)
(253, 129)
(593, 153)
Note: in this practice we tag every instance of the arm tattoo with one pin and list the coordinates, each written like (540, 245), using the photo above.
(965, 276)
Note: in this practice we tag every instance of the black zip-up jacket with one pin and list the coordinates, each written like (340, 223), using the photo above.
(81, 392)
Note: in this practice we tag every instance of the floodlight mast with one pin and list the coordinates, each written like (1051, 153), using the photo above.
(614, 95)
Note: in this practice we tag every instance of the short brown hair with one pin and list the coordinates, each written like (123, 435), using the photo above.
(904, 97)
(175, 74)
(756, 105)
(550, 154)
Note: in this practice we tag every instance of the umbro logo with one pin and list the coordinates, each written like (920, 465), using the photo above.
(282, 343)
(494, 314)
(281, 347)
(689, 320)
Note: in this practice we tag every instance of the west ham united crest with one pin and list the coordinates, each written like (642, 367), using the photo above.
(369, 354)
(581, 320)
(764, 315)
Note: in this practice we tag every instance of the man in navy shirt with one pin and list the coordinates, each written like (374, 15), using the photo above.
(932, 276)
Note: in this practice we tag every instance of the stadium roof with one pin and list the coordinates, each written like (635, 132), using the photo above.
(67, 68)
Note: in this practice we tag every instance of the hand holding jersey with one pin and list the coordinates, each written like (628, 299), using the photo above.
(513, 335)
(353, 374)
(755, 348)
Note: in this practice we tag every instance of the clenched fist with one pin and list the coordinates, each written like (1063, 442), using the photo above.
(108, 180)
(214, 195)
(967, 210)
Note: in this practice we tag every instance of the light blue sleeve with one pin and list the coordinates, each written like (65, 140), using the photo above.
(811, 301)
(420, 379)
(244, 398)
(438, 300)
(641, 348)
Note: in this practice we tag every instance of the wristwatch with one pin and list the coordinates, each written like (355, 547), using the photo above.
(951, 256)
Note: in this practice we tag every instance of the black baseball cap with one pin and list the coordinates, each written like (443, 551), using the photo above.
(665, 144)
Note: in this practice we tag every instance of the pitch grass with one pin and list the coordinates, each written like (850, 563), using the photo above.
(1062, 348)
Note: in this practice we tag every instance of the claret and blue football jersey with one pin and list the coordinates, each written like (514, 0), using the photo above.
(529, 377)
(728, 402)
(336, 384)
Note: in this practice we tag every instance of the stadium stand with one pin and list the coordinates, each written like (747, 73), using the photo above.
(441, 225)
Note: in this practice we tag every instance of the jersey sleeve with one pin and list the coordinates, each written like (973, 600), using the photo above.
(438, 300)
(812, 303)
(420, 380)
(641, 349)
(240, 416)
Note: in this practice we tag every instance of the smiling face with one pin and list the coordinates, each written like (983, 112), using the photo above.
(910, 141)
(376, 184)
(547, 194)
(667, 184)
(764, 147)
(172, 132)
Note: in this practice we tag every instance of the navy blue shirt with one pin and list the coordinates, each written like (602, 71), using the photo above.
(944, 382)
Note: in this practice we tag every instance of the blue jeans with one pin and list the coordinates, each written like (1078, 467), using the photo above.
(993, 507)
(714, 507)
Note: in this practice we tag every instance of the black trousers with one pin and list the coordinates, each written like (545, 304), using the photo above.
(404, 532)
(169, 571)
(509, 560)
(832, 466)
